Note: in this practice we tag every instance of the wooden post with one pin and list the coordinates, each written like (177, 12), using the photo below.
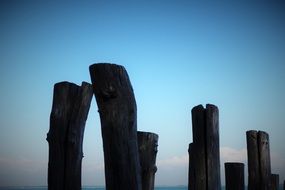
(258, 153)
(118, 115)
(274, 179)
(264, 160)
(234, 173)
(253, 160)
(147, 143)
(205, 151)
(191, 169)
(212, 148)
(198, 149)
(74, 144)
(284, 185)
(69, 112)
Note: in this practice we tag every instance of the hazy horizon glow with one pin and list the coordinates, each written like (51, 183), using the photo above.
(178, 54)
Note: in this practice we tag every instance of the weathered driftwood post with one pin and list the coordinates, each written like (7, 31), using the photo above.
(191, 168)
(198, 149)
(147, 143)
(213, 148)
(204, 151)
(274, 179)
(234, 173)
(253, 160)
(69, 112)
(264, 160)
(118, 115)
(259, 168)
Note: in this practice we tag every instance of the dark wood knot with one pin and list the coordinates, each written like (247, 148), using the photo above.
(109, 92)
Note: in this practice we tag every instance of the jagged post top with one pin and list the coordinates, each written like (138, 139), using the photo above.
(149, 134)
(263, 133)
(151, 137)
(110, 72)
(104, 64)
(118, 71)
(251, 131)
(111, 83)
(201, 107)
(255, 132)
(66, 83)
(63, 89)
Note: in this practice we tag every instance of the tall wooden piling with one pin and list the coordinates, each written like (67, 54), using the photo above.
(199, 148)
(253, 160)
(274, 180)
(212, 148)
(259, 167)
(69, 112)
(147, 143)
(264, 160)
(204, 152)
(118, 115)
(234, 175)
(191, 168)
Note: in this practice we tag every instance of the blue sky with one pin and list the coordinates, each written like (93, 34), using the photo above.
(178, 54)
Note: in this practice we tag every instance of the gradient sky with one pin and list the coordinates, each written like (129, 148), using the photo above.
(178, 54)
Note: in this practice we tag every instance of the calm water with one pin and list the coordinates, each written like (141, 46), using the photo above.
(85, 188)
(99, 188)
(88, 188)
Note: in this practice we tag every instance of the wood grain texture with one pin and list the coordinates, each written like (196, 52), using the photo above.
(264, 160)
(118, 114)
(274, 180)
(74, 144)
(253, 160)
(67, 122)
(212, 148)
(204, 152)
(234, 175)
(191, 168)
(147, 143)
(198, 150)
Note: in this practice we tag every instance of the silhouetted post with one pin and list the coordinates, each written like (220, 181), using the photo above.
(234, 173)
(213, 148)
(204, 152)
(284, 185)
(253, 160)
(274, 179)
(118, 115)
(147, 143)
(258, 153)
(191, 169)
(198, 149)
(264, 160)
(69, 112)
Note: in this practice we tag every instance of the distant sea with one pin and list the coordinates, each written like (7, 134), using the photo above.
(91, 188)
(101, 188)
